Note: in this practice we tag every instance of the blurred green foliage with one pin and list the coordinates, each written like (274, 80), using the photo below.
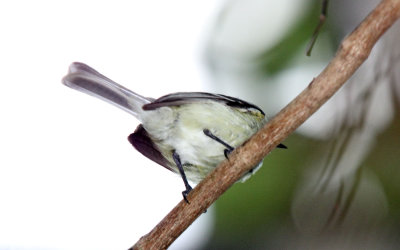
(253, 213)
(277, 58)
(263, 201)
(385, 162)
(256, 210)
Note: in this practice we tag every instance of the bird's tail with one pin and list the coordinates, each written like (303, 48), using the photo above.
(85, 79)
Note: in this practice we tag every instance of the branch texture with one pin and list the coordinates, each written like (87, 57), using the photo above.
(353, 51)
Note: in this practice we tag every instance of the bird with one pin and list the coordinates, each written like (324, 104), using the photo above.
(188, 133)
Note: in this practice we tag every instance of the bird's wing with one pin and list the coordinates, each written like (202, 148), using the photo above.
(181, 98)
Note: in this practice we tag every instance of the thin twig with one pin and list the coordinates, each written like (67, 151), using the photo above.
(353, 51)
(322, 18)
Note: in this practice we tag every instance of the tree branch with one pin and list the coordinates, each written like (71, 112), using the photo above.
(353, 51)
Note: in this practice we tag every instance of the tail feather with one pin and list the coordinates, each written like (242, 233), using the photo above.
(87, 80)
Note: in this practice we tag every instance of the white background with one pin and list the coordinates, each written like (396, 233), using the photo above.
(69, 179)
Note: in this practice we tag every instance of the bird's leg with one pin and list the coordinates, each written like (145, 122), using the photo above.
(178, 163)
(228, 149)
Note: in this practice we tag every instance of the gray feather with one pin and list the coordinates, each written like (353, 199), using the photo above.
(85, 79)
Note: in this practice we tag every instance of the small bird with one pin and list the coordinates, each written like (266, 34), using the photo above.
(189, 133)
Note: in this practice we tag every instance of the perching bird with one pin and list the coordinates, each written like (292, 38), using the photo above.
(189, 133)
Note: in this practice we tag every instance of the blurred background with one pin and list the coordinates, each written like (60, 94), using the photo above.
(69, 179)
